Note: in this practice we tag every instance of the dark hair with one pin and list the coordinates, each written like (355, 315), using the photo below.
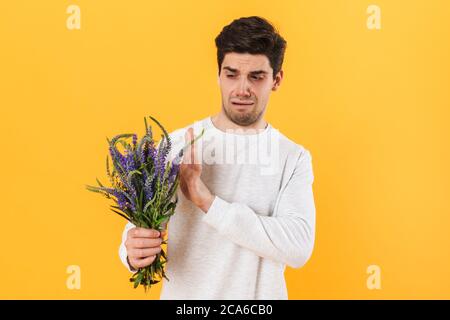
(254, 35)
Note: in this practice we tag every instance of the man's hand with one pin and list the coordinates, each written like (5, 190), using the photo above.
(191, 185)
(142, 246)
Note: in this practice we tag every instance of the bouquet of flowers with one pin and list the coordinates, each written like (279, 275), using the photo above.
(143, 186)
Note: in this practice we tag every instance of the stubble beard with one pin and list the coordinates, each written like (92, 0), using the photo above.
(243, 118)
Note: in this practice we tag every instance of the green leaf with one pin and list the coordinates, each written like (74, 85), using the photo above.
(120, 136)
(141, 197)
(97, 190)
(146, 125)
(162, 128)
(121, 214)
(149, 203)
(138, 279)
(150, 222)
(130, 174)
(162, 219)
(92, 188)
(99, 183)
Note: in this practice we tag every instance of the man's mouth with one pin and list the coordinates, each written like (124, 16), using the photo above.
(241, 103)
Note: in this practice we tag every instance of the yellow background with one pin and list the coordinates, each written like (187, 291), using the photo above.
(372, 106)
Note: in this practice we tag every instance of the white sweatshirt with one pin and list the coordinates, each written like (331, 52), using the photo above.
(262, 217)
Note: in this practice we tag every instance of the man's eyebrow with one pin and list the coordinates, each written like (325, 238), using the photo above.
(230, 69)
(256, 72)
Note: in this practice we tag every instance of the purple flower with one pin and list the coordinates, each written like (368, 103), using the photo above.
(116, 155)
(134, 140)
(129, 163)
(147, 151)
(148, 188)
(122, 200)
(161, 158)
(173, 172)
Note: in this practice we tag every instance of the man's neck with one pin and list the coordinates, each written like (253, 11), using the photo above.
(222, 123)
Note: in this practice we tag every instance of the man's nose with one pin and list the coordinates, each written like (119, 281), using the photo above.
(243, 89)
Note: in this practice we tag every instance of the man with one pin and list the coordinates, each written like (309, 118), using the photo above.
(238, 221)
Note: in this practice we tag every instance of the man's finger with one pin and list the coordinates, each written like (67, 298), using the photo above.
(144, 252)
(141, 263)
(142, 243)
(188, 136)
(192, 147)
(144, 233)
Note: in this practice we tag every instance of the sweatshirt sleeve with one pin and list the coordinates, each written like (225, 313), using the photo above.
(287, 236)
(122, 249)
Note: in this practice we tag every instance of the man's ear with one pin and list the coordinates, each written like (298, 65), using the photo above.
(277, 81)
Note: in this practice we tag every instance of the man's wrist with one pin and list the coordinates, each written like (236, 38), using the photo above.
(206, 203)
(204, 198)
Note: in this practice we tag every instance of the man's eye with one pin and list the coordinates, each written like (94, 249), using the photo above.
(257, 78)
(230, 75)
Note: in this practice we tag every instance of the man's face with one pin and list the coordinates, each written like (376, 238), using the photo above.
(246, 81)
